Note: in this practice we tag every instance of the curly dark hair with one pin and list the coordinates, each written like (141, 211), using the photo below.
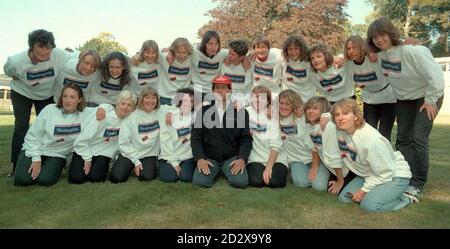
(297, 41)
(125, 78)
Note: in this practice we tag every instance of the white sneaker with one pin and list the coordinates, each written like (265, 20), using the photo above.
(413, 191)
(412, 199)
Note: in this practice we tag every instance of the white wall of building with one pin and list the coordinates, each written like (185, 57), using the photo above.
(445, 62)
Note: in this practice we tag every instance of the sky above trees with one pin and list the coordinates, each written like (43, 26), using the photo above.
(131, 22)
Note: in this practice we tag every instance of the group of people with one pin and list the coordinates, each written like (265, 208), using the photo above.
(256, 116)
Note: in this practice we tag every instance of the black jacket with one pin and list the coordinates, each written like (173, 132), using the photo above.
(210, 140)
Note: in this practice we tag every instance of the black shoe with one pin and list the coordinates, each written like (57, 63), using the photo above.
(12, 174)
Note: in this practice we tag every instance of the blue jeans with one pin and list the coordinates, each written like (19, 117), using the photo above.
(167, 172)
(299, 174)
(413, 131)
(384, 197)
(236, 181)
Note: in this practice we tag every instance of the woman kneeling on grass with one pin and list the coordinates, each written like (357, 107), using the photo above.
(267, 163)
(96, 146)
(49, 141)
(382, 174)
(139, 140)
(176, 161)
(327, 171)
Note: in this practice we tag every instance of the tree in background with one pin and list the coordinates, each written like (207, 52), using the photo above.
(317, 20)
(104, 43)
(356, 29)
(427, 20)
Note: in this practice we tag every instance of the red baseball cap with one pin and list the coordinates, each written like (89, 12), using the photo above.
(222, 79)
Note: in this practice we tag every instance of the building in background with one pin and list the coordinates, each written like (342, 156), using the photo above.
(5, 95)
(445, 63)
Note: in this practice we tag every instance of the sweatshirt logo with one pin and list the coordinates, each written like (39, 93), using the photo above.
(179, 70)
(110, 133)
(110, 86)
(148, 127)
(259, 128)
(182, 132)
(236, 78)
(333, 81)
(365, 77)
(39, 75)
(209, 66)
(67, 129)
(299, 73)
(148, 75)
(263, 71)
(394, 66)
(316, 139)
(289, 129)
(81, 84)
(345, 150)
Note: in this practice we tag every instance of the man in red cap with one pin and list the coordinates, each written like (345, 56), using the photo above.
(220, 139)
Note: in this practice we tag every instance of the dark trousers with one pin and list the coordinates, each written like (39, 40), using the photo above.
(380, 117)
(98, 172)
(51, 170)
(350, 176)
(413, 131)
(22, 112)
(167, 172)
(255, 175)
(123, 167)
(352, 97)
(239, 180)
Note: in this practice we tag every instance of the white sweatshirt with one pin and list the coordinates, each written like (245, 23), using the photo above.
(376, 89)
(326, 144)
(333, 84)
(266, 137)
(296, 141)
(206, 68)
(296, 76)
(370, 155)
(175, 140)
(413, 73)
(173, 77)
(269, 72)
(145, 75)
(52, 133)
(242, 81)
(36, 82)
(107, 92)
(69, 74)
(139, 135)
(101, 137)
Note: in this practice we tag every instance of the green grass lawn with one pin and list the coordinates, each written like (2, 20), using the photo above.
(155, 204)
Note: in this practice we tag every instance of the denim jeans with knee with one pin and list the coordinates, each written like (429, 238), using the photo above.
(384, 197)
(300, 172)
(240, 180)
